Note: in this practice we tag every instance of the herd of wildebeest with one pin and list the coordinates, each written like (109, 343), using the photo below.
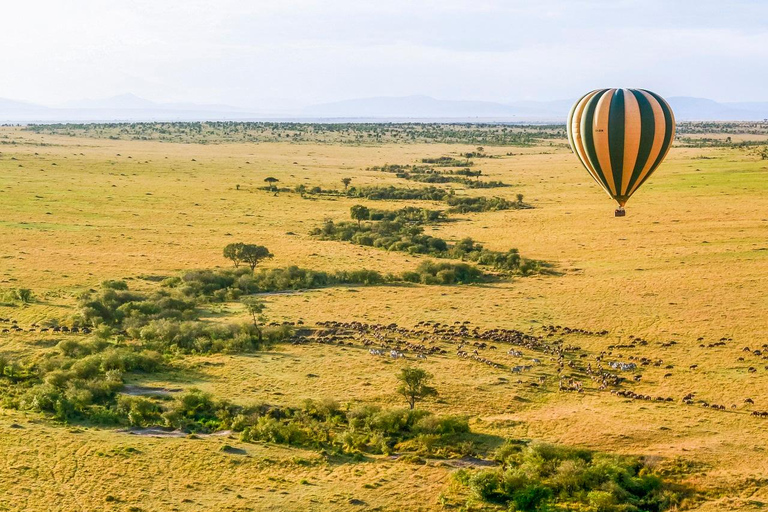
(13, 326)
(523, 355)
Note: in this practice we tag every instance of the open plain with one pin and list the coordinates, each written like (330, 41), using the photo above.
(679, 288)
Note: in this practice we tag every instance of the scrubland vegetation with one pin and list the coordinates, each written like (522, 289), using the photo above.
(545, 477)
(330, 133)
(166, 321)
(274, 316)
(438, 170)
(455, 203)
(405, 232)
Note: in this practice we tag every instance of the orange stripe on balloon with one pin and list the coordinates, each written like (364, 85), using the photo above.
(632, 129)
(600, 138)
(659, 130)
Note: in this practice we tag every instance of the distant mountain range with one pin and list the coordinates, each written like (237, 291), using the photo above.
(425, 107)
(128, 107)
(125, 107)
(133, 102)
(685, 108)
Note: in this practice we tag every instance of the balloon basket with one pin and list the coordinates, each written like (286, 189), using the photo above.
(620, 212)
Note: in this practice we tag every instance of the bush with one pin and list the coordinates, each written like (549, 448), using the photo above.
(140, 411)
(486, 485)
(274, 431)
(234, 283)
(114, 285)
(448, 273)
(81, 381)
(443, 425)
(403, 234)
(129, 361)
(296, 278)
(167, 320)
(171, 335)
(195, 410)
(431, 174)
(363, 429)
(116, 306)
(479, 204)
(391, 192)
(538, 476)
(41, 398)
(23, 295)
(100, 415)
(530, 497)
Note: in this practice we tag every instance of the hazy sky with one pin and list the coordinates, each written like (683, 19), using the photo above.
(251, 53)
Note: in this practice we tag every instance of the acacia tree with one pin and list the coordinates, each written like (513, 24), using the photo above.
(346, 182)
(270, 181)
(414, 385)
(256, 307)
(253, 254)
(250, 254)
(359, 213)
(233, 252)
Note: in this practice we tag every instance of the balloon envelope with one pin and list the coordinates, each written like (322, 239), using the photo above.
(621, 136)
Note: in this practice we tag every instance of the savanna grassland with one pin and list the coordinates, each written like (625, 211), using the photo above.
(676, 291)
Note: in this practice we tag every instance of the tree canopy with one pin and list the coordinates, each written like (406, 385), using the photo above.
(414, 385)
(250, 254)
(359, 213)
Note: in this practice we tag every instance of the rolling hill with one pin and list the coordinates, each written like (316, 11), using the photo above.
(128, 107)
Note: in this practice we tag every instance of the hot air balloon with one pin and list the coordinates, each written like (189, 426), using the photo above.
(621, 136)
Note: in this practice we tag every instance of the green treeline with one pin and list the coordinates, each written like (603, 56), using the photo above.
(211, 132)
(543, 477)
(431, 174)
(404, 234)
(456, 204)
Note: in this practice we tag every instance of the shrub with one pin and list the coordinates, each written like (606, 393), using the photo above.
(194, 410)
(431, 173)
(24, 295)
(443, 425)
(117, 307)
(406, 235)
(139, 411)
(114, 285)
(540, 476)
(168, 319)
(236, 283)
(41, 398)
(482, 204)
(129, 360)
(273, 431)
(101, 415)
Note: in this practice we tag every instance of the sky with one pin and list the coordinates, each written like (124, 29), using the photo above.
(298, 52)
